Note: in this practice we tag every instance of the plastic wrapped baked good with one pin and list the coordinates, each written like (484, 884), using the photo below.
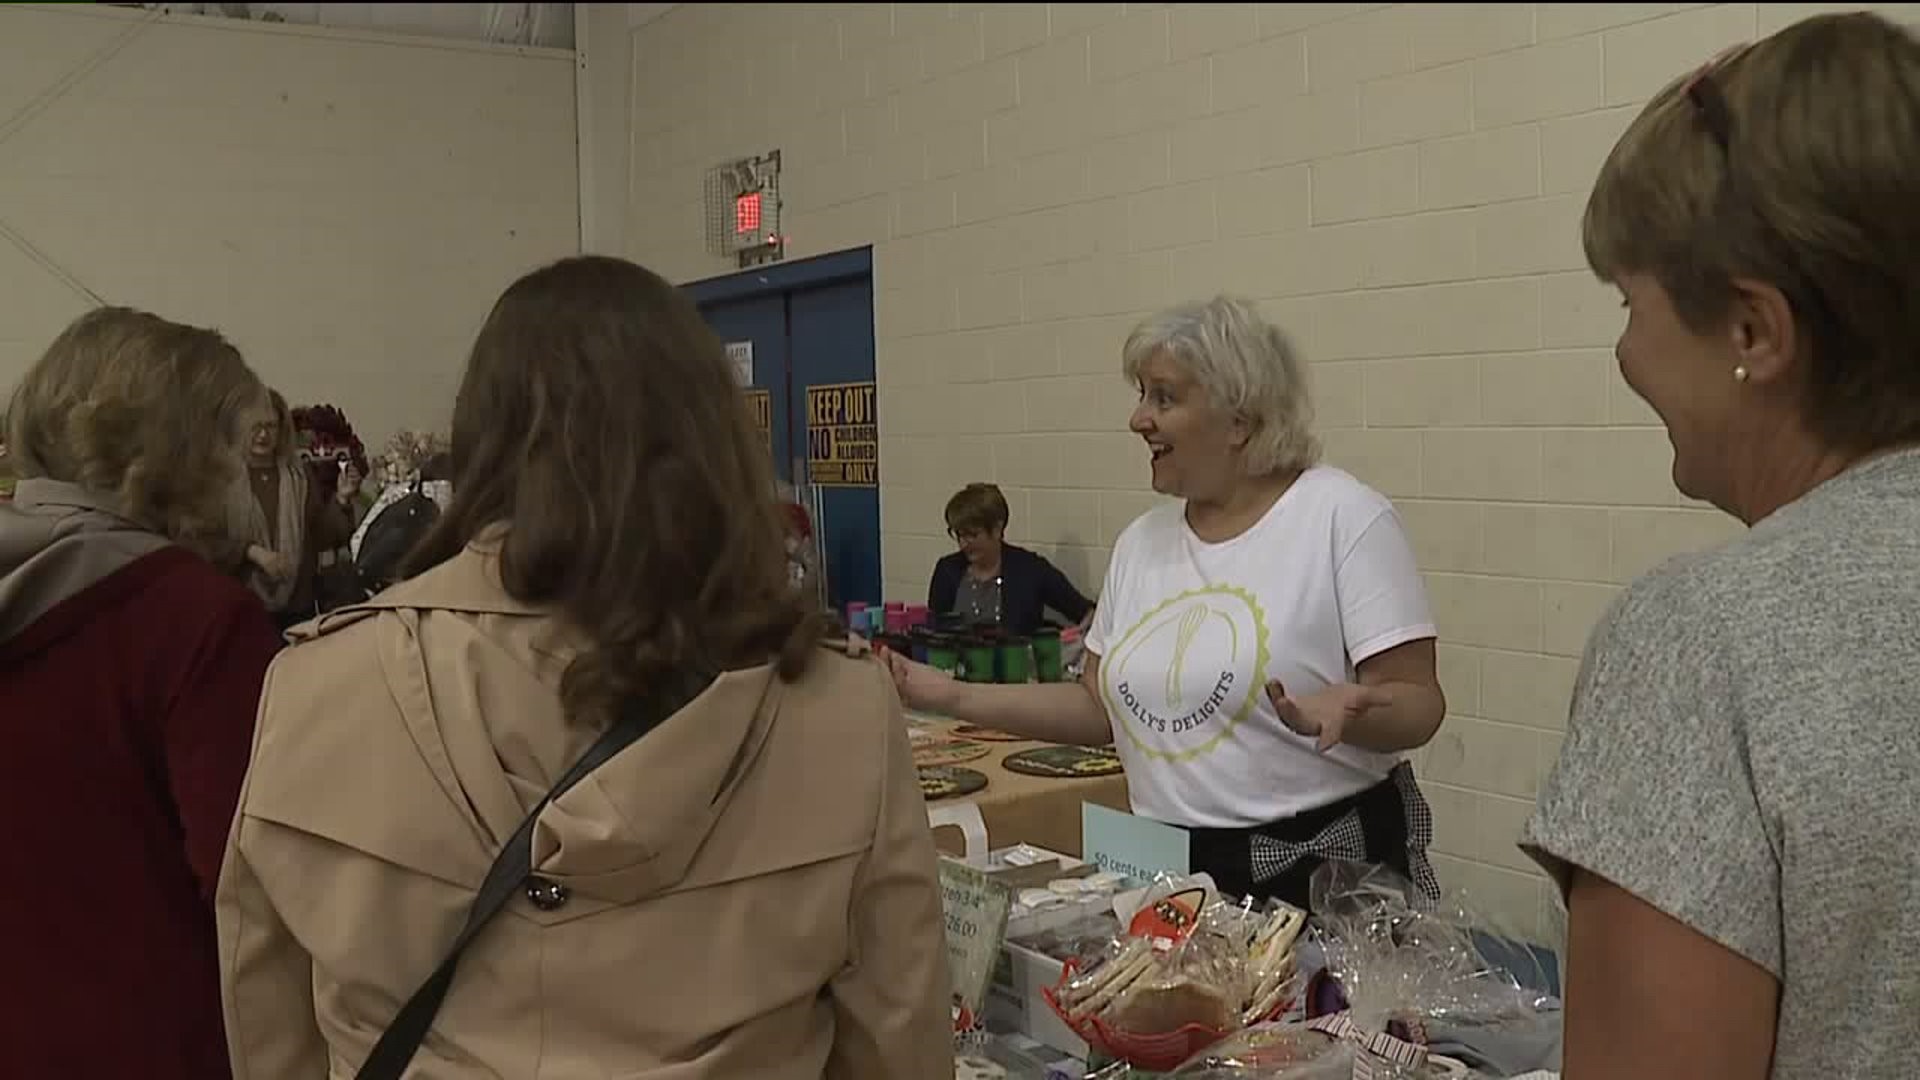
(1398, 966)
(1171, 1002)
(1398, 959)
(1270, 1052)
(1199, 980)
(1190, 970)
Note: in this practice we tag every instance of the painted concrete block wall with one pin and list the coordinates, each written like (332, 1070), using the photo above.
(345, 206)
(1398, 185)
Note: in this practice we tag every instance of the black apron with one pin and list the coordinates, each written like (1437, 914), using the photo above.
(1387, 824)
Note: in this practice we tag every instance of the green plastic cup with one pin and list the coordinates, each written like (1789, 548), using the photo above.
(943, 654)
(976, 662)
(1046, 656)
(1016, 661)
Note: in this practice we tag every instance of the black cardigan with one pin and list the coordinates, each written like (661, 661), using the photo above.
(1029, 585)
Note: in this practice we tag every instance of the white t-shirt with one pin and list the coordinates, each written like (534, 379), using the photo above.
(1189, 633)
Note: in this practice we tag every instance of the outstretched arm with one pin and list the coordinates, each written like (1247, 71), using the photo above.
(1048, 712)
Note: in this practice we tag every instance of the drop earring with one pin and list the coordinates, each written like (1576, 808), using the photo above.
(1740, 373)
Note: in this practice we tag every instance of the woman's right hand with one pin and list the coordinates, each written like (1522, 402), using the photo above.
(921, 687)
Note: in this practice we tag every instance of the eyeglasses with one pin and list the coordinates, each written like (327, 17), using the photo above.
(1710, 106)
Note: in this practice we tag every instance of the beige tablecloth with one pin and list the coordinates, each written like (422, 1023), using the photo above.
(1021, 809)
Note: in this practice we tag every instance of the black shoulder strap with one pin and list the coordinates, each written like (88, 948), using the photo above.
(509, 873)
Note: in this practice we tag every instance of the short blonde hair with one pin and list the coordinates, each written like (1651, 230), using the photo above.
(1246, 365)
(1793, 162)
(141, 410)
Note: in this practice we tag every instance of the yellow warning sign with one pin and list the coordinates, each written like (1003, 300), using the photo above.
(760, 407)
(843, 445)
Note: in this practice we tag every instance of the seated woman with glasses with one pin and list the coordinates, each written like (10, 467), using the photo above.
(991, 582)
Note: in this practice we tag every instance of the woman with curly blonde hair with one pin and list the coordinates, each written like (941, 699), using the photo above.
(132, 668)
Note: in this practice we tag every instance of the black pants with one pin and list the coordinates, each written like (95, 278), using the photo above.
(1227, 854)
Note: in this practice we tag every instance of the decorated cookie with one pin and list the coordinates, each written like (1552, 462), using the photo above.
(945, 781)
(948, 752)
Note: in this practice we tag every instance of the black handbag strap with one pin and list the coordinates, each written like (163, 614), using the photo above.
(509, 873)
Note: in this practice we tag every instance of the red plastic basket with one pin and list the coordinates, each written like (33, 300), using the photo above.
(1154, 1052)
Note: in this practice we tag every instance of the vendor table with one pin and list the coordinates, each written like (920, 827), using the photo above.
(1022, 809)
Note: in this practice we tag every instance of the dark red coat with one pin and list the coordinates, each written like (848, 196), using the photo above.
(128, 714)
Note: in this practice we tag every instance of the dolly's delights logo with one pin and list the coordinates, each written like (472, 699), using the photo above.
(1187, 672)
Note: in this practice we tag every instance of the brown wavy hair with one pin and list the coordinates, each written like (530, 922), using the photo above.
(600, 423)
(145, 411)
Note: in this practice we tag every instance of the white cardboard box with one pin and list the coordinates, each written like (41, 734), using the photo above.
(1015, 1001)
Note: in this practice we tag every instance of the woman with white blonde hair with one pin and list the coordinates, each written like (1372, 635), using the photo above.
(1263, 651)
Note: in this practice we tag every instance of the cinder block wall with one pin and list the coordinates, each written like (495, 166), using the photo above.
(344, 204)
(1399, 185)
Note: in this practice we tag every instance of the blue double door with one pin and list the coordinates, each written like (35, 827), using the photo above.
(808, 329)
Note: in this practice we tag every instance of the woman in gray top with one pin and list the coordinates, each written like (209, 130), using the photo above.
(1735, 815)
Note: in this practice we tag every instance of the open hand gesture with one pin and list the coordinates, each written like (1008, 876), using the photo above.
(1325, 716)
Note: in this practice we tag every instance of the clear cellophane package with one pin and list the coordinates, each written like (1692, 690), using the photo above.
(1271, 1052)
(1404, 968)
(1189, 969)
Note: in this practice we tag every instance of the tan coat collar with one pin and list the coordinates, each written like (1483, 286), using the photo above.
(469, 583)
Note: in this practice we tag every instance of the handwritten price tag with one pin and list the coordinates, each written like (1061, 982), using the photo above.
(976, 910)
(1133, 846)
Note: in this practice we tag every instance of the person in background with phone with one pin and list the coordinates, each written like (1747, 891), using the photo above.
(283, 519)
(336, 463)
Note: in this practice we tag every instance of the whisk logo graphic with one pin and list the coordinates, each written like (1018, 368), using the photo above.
(1191, 622)
(1187, 672)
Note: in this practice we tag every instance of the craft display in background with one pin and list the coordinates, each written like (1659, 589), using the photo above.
(975, 731)
(1065, 762)
(945, 781)
(948, 752)
(405, 453)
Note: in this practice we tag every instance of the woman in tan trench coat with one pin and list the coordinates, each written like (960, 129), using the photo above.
(747, 891)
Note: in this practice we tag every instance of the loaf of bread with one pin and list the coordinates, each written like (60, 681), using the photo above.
(1156, 1009)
